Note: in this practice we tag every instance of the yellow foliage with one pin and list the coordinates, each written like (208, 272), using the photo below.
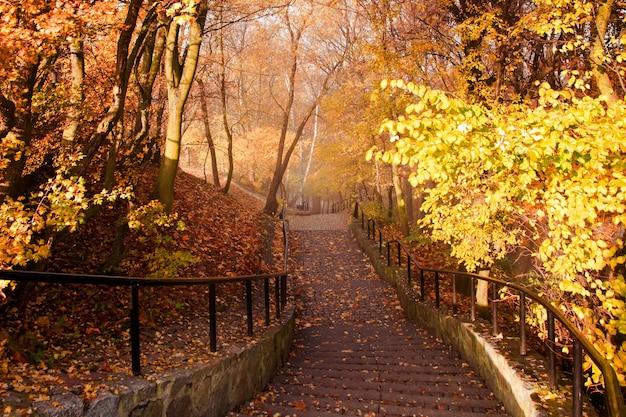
(553, 173)
(151, 217)
(28, 225)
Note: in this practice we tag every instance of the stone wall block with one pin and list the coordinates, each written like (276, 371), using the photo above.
(134, 391)
(105, 404)
(65, 405)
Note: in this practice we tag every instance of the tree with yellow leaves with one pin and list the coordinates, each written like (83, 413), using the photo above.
(552, 174)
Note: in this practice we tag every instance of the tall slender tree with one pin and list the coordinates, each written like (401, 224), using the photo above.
(127, 52)
(184, 32)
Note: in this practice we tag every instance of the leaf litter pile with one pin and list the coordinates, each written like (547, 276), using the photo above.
(75, 338)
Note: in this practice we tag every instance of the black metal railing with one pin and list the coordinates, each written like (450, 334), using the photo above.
(614, 399)
(343, 205)
(134, 283)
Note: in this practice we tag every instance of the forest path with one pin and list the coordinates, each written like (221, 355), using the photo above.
(354, 352)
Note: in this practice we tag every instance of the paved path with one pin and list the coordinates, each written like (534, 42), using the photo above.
(354, 352)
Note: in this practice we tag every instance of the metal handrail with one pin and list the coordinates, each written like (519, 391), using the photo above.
(614, 398)
(343, 204)
(280, 291)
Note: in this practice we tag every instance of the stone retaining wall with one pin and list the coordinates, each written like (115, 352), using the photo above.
(207, 390)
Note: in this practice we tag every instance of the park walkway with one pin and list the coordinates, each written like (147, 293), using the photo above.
(354, 352)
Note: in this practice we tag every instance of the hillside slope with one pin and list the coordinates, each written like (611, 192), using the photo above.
(76, 338)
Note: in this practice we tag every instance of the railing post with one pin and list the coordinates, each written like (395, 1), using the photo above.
(454, 306)
(577, 400)
(408, 268)
(494, 309)
(212, 317)
(249, 307)
(266, 296)
(551, 352)
(399, 254)
(522, 323)
(422, 296)
(472, 300)
(134, 329)
(388, 254)
(283, 290)
(277, 296)
(437, 297)
(380, 241)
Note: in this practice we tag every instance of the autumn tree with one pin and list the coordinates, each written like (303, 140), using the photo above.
(305, 30)
(506, 174)
(41, 96)
(127, 52)
(590, 36)
(225, 68)
(25, 52)
(206, 122)
(413, 40)
(146, 73)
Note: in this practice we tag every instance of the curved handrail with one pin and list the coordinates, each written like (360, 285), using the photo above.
(135, 282)
(614, 398)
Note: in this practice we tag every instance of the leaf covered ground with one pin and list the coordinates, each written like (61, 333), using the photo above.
(75, 338)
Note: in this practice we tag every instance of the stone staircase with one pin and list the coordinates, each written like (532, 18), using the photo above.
(354, 352)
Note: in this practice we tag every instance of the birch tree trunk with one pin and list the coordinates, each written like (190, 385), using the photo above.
(77, 70)
(179, 77)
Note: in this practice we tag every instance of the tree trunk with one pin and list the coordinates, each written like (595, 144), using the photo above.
(482, 295)
(111, 163)
(470, 43)
(164, 189)
(227, 129)
(179, 79)
(390, 201)
(407, 192)
(271, 203)
(312, 150)
(150, 65)
(77, 70)
(124, 63)
(316, 205)
(17, 110)
(7, 116)
(209, 137)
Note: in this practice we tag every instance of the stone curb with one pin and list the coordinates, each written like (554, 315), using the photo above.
(513, 379)
(208, 390)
